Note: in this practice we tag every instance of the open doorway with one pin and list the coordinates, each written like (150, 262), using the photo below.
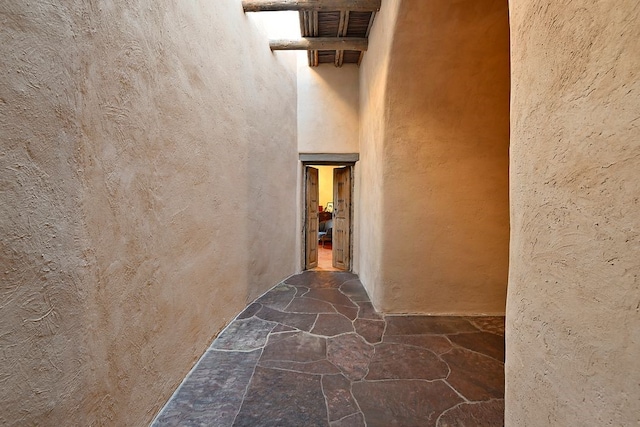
(325, 218)
(328, 216)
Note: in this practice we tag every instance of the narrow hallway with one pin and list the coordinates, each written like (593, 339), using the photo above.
(314, 352)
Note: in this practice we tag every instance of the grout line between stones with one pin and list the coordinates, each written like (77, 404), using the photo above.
(246, 389)
(276, 368)
(447, 410)
(455, 390)
(356, 400)
(326, 400)
(314, 323)
(458, 346)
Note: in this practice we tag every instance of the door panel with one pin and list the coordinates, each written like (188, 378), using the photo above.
(311, 218)
(341, 218)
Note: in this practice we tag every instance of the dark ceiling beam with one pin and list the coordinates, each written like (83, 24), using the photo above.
(343, 27)
(315, 5)
(321, 43)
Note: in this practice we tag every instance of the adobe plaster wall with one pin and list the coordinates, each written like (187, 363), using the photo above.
(328, 110)
(446, 207)
(43, 263)
(368, 262)
(140, 162)
(435, 138)
(573, 324)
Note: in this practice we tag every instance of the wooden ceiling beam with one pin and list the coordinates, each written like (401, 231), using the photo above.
(321, 43)
(343, 27)
(316, 54)
(315, 5)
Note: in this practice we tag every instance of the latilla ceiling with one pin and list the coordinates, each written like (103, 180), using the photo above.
(333, 31)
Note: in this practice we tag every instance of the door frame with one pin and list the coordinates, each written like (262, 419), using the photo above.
(324, 159)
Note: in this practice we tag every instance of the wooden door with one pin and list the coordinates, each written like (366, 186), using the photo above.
(311, 218)
(341, 218)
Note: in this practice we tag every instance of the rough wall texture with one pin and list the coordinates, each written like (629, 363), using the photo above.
(369, 181)
(140, 152)
(435, 138)
(573, 333)
(43, 311)
(328, 108)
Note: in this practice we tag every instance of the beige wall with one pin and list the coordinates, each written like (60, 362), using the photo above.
(437, 125)
(370, 237)
(573, 333)
(141, 162)
(328, 113)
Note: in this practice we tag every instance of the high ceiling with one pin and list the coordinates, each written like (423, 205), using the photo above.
(333, 31)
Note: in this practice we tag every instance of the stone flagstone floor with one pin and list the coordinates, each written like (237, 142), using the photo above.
(314, 352)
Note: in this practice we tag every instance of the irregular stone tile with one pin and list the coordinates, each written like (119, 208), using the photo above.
(244, 334)
(282, 328)
(399, 361)
(313, 279)
(436, 343)
(320, 367)
(475, 376)
(349, 312)
(351, 354)
(279, 297)
(213, 391)
(331, 325)
(354, 290)
(309, 305)
(370, 330)
(321, 279)
(187, 417)
(345, 276)
(250, 311)
(337, 392)
(334, 279)
(422, 325)
(492, 324)
(483, 342)
(481, 414)
(355, 420)
(295, 347)
(367, 311)
(282, 398)
(334, 296)
(301, 290)
(275, 338)
(403, 402)
(302, 279)
(301, 321)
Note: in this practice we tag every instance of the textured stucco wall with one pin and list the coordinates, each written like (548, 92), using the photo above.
(43, 266)
(141, 162)
(369, 181)
(435, 138)
(573, 322)
(328, 108)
